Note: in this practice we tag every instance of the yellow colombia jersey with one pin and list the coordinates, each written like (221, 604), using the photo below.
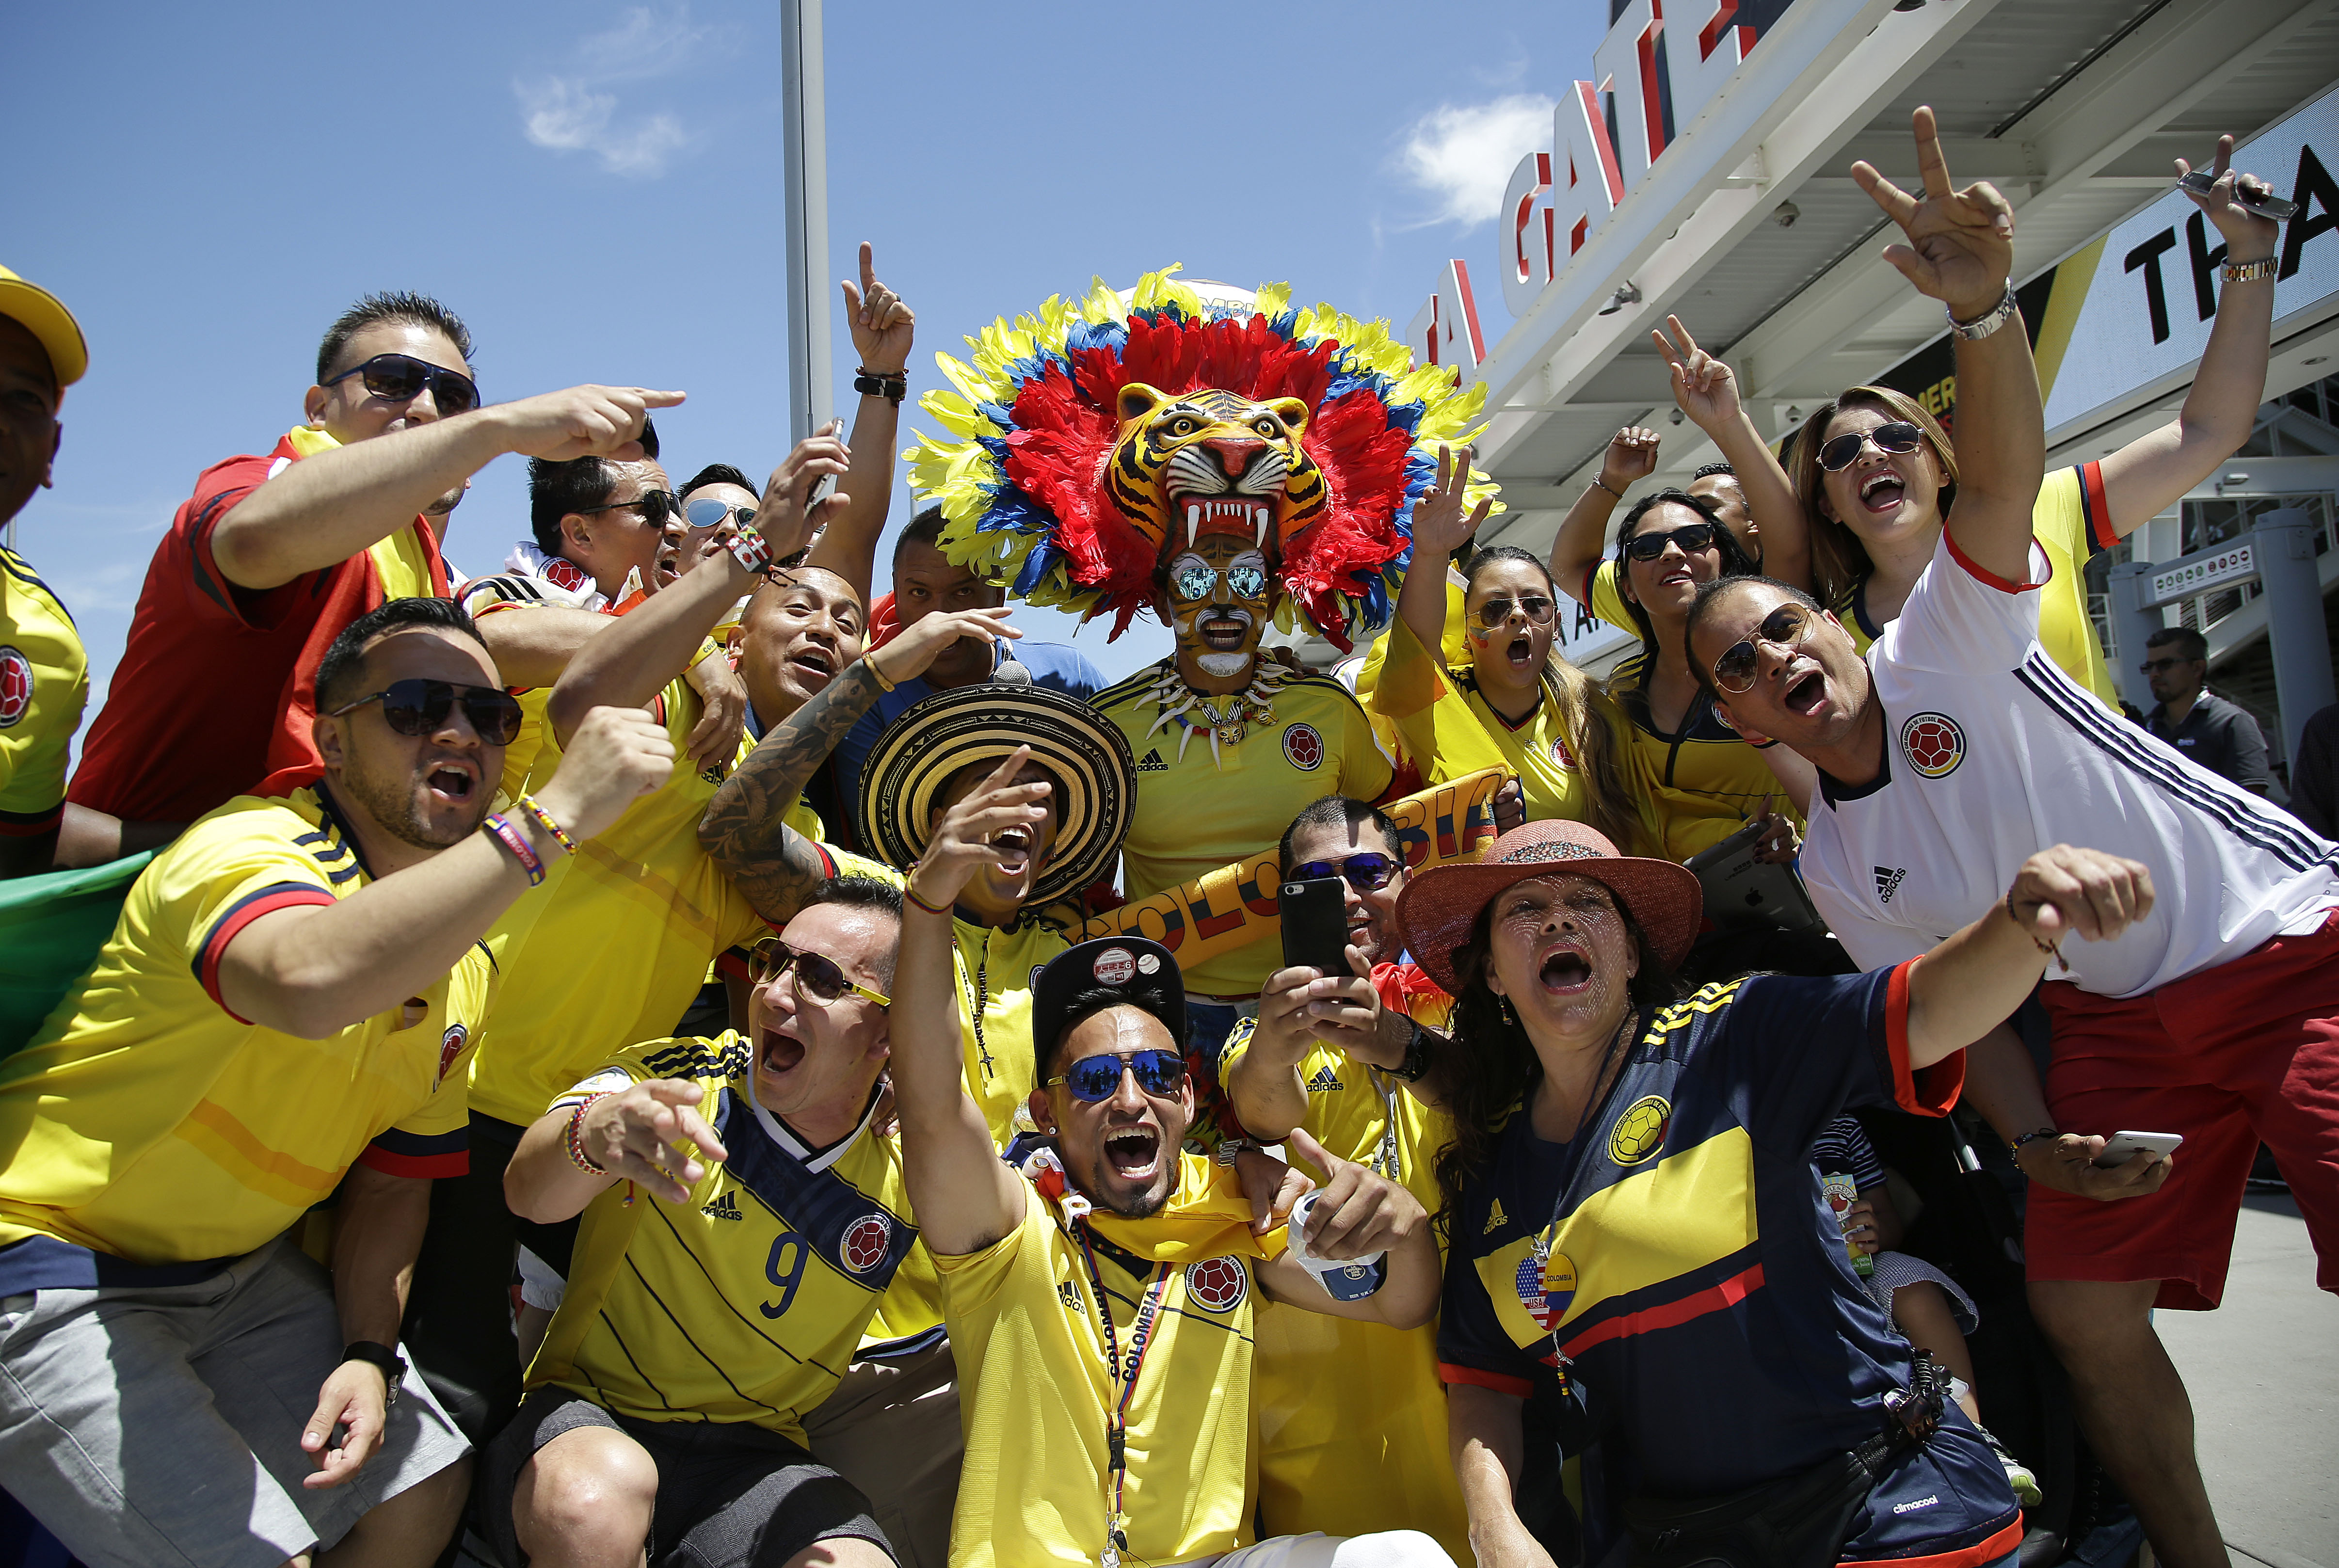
(1352, 1416)
(1449, 730)
(2073, 524)
(1034, 1386)
(1195, 814)
(147, 1122)
(618, 947)
(746, 1302)
(1699, 785)
(44, 685)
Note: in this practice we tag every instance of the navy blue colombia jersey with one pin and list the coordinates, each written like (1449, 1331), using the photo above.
(1679, 1257)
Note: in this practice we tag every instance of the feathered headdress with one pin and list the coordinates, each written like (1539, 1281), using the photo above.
(1026, 477)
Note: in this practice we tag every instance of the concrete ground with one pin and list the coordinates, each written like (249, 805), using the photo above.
(2264, 1373)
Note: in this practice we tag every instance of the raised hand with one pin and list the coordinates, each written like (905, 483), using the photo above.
(882, 324)
(2248, 237)
(651, 1134)
(1439, 526)
(616, 756)
(716, 737)
(1632, 455)
(1703, 385)
(580, 423)
(789, 517)
(961, 845)
(913, 652)
(2066, 891)
(1359, 1212)
(1960, 243)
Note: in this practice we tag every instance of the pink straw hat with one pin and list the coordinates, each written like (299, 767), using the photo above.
(1438, 907)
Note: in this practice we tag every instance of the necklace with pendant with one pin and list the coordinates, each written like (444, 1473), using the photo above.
(1227, 723)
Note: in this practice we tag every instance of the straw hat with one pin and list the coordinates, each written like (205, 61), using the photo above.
(1439, 906)
(958, 729)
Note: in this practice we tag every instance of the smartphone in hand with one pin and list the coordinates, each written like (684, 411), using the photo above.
(1315, 926)
(2258, 203)
(2122, 1146)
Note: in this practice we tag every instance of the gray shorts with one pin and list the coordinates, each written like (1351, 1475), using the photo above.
(730, 1494)
(146, 1426)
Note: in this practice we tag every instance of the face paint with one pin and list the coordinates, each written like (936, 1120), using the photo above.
(1221, 595)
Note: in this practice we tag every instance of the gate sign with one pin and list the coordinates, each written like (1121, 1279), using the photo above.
(2203, 570)
(2153, 297)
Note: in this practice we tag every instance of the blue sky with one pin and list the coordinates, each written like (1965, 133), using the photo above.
(596, 188)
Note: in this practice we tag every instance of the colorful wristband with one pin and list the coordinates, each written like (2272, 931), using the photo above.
(910, 892)
(707, 650)
(500, 829)
(574, 1139)
(749, 548)
(526, 803)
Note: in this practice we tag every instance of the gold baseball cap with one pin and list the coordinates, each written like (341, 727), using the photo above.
(46, 318)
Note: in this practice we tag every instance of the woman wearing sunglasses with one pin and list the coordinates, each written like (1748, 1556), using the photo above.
(1875, 473)
(1517, 702)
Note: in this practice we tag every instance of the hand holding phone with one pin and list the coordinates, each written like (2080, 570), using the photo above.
(2122, 1146)
(2253, 198)
(1315, 926)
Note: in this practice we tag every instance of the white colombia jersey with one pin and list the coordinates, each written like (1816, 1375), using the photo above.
(1991, 754)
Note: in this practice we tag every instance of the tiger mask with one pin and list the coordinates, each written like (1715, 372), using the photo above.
(1212, 461)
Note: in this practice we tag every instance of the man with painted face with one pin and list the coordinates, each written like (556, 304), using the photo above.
(659, 1408)
(1103, 1345)
(1958, 750)
(1230, 741)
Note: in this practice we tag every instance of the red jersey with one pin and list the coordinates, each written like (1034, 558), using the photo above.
(217, 685)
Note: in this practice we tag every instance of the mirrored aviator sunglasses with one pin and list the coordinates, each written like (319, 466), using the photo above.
(1365, 872)
(1895, 436)
(401, 378)
(1784, 627)
(1096, 1078)
(418, 708)
(707, 512)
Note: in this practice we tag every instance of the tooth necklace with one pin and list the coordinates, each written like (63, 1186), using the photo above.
(1228, 724)
(1116, 1415)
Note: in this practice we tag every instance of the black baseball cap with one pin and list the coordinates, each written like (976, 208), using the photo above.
(1139, 973)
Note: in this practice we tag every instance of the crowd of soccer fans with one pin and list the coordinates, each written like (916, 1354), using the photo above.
(598, 1061)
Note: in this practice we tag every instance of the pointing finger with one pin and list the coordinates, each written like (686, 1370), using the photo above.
(868, 266)
(1931, 164)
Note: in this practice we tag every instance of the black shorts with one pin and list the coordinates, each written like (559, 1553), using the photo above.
(730, 1494)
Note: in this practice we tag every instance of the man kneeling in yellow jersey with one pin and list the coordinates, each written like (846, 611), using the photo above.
(1104, 1345)
(664, 1407)
(284, 1011)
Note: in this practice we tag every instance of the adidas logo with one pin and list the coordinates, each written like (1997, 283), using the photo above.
(1151, 763)
(1069, 1294)
(1495, 1218)
(1323, 1082)
(725, 1207)
(1888, 879)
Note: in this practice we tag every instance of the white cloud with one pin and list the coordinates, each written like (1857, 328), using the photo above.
(1461, 155)
(575, 112)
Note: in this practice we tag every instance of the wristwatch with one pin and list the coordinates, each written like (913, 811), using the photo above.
(2252, 272)
(1230, 1148)
(392, 1365)
(1974, 330)
(1415, 1065)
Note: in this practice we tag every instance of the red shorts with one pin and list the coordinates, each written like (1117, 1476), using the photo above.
(2242, 1054)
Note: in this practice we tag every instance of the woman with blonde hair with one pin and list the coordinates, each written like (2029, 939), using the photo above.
(1517, 702)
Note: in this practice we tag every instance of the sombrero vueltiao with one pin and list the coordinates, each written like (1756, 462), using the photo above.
(955, 729)
(1438, 907)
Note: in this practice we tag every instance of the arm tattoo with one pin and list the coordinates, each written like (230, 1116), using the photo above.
(767, 860)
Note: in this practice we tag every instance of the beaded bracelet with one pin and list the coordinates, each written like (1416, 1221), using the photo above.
(574, 1140)
(501, 830)
(2014, 1147)
(526, 803)
(890, 385)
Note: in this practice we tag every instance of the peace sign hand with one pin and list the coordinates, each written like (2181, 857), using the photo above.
(1961, 244)
(1703, 386)
(1439, 526)
(882, 324)
(964, 842)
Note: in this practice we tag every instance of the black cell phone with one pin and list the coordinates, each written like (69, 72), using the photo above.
(1315, 926)
(2270, 206)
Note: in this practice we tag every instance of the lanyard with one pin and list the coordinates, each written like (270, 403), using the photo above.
(1390, 1164)
(1116, 1417)
(978, 997)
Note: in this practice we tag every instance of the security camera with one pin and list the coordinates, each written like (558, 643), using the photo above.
(1676, 416)
(1785, 213)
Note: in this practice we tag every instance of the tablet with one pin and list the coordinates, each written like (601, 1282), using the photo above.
(1742, 893)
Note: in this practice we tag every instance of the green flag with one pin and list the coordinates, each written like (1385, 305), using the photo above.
(50, 929)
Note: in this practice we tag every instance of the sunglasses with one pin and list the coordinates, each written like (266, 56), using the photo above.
(1196, 581)
(1365, 872)
(1094, 1078)
(2153, 666)
(400, 376)
(1897, 436)
(418, 708)
(816, 977)
(1692, 538)
(656, 506)
(1536, 608)
(1784, 627)
(707, 512)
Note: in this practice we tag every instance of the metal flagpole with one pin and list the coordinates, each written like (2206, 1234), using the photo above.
(810, 387)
